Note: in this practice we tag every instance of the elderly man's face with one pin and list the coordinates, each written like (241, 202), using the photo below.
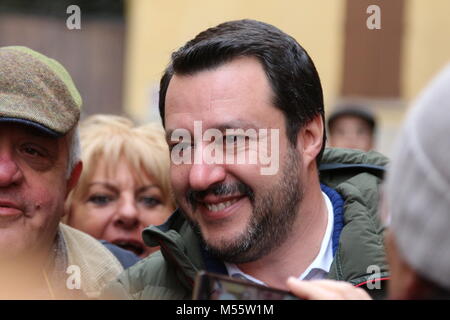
(33, 187)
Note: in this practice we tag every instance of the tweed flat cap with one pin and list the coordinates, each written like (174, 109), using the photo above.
(37, 91)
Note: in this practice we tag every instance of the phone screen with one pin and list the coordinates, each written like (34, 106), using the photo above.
(209, 286)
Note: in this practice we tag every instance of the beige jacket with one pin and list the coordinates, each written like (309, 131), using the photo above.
(97, 265)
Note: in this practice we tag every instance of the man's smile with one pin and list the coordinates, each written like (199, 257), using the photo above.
(220, 205)
(216, 208)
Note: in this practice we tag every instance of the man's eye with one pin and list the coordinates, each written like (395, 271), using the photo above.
(149, 202)
(231, 139)
(237, 141)
(182, 146)
(100, 199)
(32, 151)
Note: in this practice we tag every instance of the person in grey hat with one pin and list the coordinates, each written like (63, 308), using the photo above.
(418, 201)
(352, 126)
(416, 206)
(39, 165)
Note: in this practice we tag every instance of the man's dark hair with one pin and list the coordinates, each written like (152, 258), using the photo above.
(291, 72)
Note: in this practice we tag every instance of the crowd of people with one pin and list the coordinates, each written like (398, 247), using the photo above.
(99, 209)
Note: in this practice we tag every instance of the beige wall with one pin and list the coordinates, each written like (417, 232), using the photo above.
(93, 55)
(157, 27)
(425, 50)
(426, 47)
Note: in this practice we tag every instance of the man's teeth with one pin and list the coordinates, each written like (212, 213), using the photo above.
(220, 206)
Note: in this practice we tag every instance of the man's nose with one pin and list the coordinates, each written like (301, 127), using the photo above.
(202, 175)
(127, 215)
(10, 172)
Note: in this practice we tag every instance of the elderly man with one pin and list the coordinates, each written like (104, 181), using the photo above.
(39, 257)
(249, 88)
(416, 206)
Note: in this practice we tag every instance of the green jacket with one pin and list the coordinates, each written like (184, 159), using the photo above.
(170, 272)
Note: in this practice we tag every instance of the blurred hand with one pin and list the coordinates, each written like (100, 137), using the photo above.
(326, 290)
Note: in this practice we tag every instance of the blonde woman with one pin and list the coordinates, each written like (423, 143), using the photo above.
(124, 186)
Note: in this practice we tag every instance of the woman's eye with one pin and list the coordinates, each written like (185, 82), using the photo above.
(100, 199)
(150, 201)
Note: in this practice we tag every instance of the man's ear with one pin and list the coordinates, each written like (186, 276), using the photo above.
(310, 140)
(74, 177)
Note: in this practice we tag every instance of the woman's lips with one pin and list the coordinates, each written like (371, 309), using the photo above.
(132, 245)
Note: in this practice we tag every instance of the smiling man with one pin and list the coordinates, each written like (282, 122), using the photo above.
(39, 165)
(232, 218)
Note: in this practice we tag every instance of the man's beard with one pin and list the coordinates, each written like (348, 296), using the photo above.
(273, 215)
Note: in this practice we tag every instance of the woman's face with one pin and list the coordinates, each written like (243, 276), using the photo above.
(117, 208)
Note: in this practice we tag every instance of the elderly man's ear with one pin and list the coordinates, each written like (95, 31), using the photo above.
(74, 177)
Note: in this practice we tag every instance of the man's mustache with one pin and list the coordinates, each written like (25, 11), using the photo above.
(194, 197)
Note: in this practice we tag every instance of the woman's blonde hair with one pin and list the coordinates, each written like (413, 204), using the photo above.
(111, 138)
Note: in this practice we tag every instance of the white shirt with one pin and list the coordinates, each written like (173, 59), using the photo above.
(321, 264)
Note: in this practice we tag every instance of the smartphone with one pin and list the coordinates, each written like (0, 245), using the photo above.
(211, 286)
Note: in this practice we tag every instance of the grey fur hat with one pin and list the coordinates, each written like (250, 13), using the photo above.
(418, 184)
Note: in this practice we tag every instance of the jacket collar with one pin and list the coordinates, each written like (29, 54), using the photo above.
(179, 245)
